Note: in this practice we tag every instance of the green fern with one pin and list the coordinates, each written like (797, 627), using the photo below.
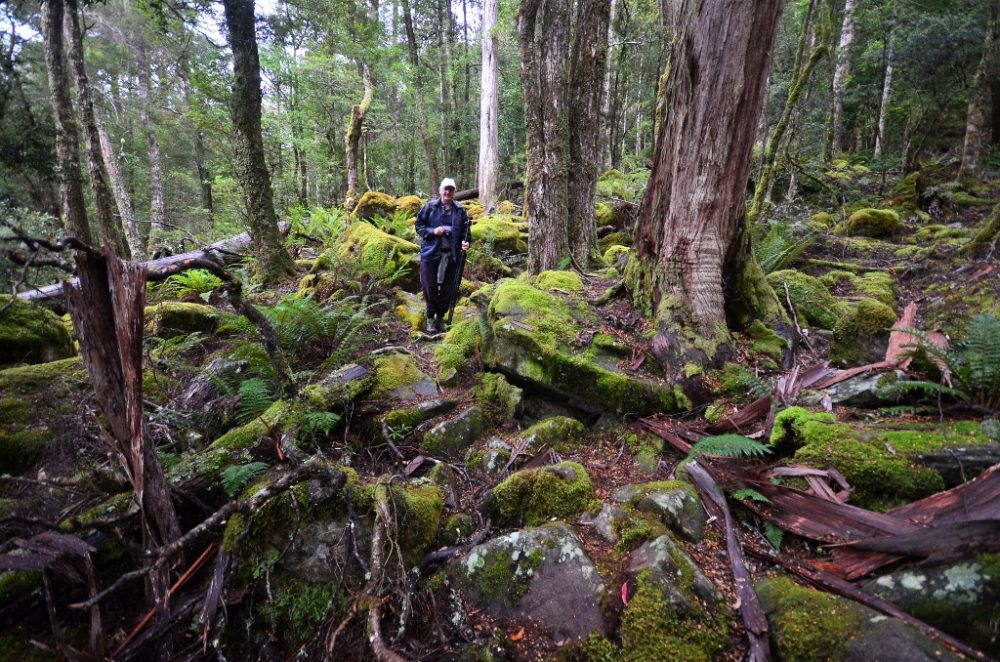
(319, 422)
(191, 283)
(749, 493)
(729, 445)
(774, 535)
(780, 247)
(256, 396)
(234, 478)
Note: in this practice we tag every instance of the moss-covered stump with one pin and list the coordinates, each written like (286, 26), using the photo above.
(451, 437)
(675, 503)
(862, 335)
(31, 334)
(35, 400)
(398, 376)
(905, 195)
(543, 574)
(962, 599)
(377, 253)
(809, 625)
(501, 232)
(880, 463)
(872, 223)
(814, 305)
(562, 433)
(530, 333)
(534, 496)
(372, 204)
(175, 318)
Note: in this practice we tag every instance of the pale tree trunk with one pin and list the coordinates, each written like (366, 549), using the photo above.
(883, 109)
(979, 100)
(443, 108)
(589, 61)
(544, 44)
(841, 72)
(273, 260)
(157, 214)
(353, 136)
(110, 227)
(123, 199)
(694, 269)
(192, 103)
(418, 92)
(801, 73)
(606, 96)
(489, 110)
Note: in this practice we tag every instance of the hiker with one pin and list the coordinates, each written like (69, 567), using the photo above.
(443, 225)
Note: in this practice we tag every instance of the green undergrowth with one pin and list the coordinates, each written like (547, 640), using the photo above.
(807, 624)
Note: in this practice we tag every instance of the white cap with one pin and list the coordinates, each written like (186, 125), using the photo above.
(446, 182)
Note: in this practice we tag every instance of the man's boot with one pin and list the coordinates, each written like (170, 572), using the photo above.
(431, 324)
(439, 324)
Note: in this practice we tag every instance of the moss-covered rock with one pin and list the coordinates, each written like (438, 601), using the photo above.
(813, 302)
(531, 333)
(501, 231)
(452, 436)
(397, 375)
(562, 433)
(459, 344)
(604, 214)
(806, 625)
(905, 194)
(337, 390)
(374, 203)
(174, 318)
(534, 496)
(872, 223)
(494, 390)
(563, 281)
(674, 502)
(613, 253)
(378, 253)
(31, 334)
(409, 204)
(766, 342)
(411, 310)
(880, 463)
(862, 335)
(878, 285)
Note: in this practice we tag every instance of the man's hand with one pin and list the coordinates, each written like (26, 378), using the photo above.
(438, 231)
(465, 245)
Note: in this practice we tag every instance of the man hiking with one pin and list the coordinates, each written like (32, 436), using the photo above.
(444, 228)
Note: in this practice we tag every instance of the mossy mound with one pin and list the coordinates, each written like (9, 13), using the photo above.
(562, 433)
(881, 477)
(878, 285)
(397, 375)
(534, 496)
(176, 318)
(862, 335)
(374, 203)
(813, 303)
(604, 214)
(494, 390)
(530, 333)
(905, 194)
(458, 345)
(31, 334)
(872, 223)
(619, 238)
(766, 342)
(377, 253)
(501, 232)
(410, 308)
(474, 209)
(452, 436)
(612, 254)
(409, 204)
(563, 281)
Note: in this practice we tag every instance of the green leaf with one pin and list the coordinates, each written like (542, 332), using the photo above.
(234, 478)
(749, 493)
(729, 445)
(774, 535)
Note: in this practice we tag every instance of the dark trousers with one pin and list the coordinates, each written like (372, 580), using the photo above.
(437, 297)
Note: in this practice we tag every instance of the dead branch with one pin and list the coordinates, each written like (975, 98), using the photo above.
(382, 533)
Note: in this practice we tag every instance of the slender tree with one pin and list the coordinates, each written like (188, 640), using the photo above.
(418, 93)
(975, 119)
(273, 260)
(157, 195)
(489, 110)
(694, 270)
(841, 72)
(352, 136)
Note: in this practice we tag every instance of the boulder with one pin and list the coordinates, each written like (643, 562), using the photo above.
(807, 624)
(560, 432)
(501, 232)
(175, 318)
(452, 436)
(409, 204)
(398, 376)
(675, 503)
(31, 334)
(534, 496)
(531, 333)
(814, 305)
(862, 335)
(494, 390)
(542, 574)
(606, 522)
(872, 223)
(860, 391)
(374, 203)
(962, 599)
(684, 587)
(379, 254)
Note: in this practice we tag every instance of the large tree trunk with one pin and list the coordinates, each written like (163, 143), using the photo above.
(110, 227)
(883, 109)
(353, 136)
(157, 206)
(273, 260)
(842, 70)
(418, 92)
(590, 51)
(543, 42)
(489, 110)
(694, 268)
(975, 119)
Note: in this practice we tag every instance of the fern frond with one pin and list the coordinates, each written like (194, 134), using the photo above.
(749, 493)
(774, 535)
(319, 422)
(255, 397)
(729, 445)
(923, 388)
(234, 478)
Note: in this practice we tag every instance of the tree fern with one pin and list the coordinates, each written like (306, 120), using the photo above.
(729, 445)
(256, 395)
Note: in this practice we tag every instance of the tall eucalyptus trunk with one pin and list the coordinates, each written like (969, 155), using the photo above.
(489, 110)
(883, 109)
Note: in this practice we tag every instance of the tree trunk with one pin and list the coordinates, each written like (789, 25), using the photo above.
(589, 59)
(975, 119)
(444, 89)
(123, 199)
(157, 212)
(110, 227)
(883, 110)
(489, 110)
(74, 207)
(544, 44)
(606, 117)
(694, 269)
(273, 260)
(353, 136)
(192, 102)
(842, 70)
(418, 92)
(801, 73)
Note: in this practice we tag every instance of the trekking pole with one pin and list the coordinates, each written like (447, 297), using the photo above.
(458, 283)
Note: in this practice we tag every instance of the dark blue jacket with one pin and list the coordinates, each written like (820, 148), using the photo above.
(430, 218)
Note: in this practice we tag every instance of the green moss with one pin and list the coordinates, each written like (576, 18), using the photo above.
(807, 624)
(410, 204)
(566, 281)
(498, 576)
(906, 193)
(650, 626)
(766, 341)
(494, 389)
(299, 607)
(835, 277)
(458, 345)
(813, 303)
(612, 253)
(31, 334)
(564, 434)
(595, 649)
(377, 251)
(501, 232)
(374, 203)
(18, 583)
(614, 239)
(872, 223)
(395, 371)
(174, 318)
(823, 218)
(457, 529)
(635, 530)
(14, 647)
(877, 285)
(604, 214)
(855, 333)
(533, 496)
